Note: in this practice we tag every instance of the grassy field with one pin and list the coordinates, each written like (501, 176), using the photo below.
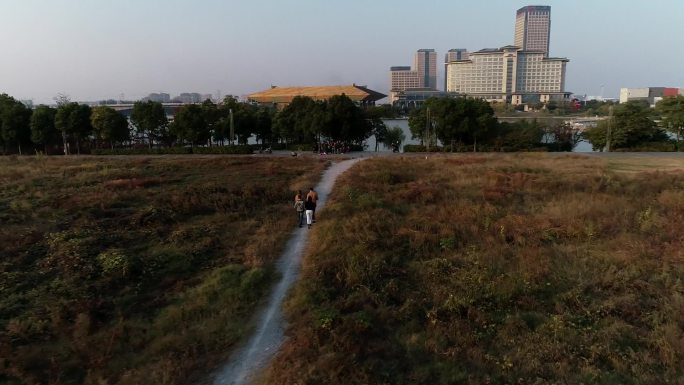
(493, 269)
(136, 270)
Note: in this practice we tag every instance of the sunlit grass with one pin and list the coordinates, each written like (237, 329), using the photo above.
(526, 269)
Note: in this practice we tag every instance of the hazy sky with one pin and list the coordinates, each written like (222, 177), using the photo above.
(100, 49)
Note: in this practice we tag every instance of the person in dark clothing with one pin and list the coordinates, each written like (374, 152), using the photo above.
(314, 197)
(309, 206)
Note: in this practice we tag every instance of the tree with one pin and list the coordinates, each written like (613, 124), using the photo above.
(150, 120)
(14, 122)
(563, 137)
(73, 120)
(345, 120)
(190, 125)
(630, 127)
(43, 129)
(394, 138)
(460, 120)
(109, 125)
(671, 111)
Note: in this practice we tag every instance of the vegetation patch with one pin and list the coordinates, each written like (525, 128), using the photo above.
(136, 270)
(476, 269)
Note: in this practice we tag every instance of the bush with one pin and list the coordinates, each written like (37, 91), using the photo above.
(243, 149)
(421, 148)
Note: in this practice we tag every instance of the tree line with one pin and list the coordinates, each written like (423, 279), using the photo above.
(72, 127)
(458, 123)
(470, 124)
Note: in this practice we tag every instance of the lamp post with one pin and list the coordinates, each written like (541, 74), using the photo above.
(232, 128)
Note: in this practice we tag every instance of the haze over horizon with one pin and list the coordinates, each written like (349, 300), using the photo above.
(94, 50)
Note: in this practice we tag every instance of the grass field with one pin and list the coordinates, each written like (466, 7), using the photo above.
(136, 270)
(493, 269)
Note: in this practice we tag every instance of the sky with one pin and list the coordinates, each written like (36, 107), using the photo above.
(102, 49)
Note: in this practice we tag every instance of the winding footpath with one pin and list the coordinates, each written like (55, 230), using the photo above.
(246, 362)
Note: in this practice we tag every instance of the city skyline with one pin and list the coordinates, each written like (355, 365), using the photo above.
(98, 50)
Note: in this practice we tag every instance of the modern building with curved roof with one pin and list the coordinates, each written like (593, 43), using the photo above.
(282, 96)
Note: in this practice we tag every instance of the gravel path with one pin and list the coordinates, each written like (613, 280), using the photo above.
(246, 362)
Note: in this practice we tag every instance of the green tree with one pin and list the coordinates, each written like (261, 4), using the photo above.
(456, 120)
(671, 111)
(345, 120)
(263, 128)
(630, 127)
(43, 129)
(149, 119)
(109, 125)
(14, 122)
(520, 136)
(190, 125)
(73, 120)
(394, 137)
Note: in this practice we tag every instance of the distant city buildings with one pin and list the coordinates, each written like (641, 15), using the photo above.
(519, 74)
(423, 74)
(652, 95)
(185, 97)
(533, 28)
(160, 98)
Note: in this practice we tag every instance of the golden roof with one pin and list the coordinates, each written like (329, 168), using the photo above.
(286, 94)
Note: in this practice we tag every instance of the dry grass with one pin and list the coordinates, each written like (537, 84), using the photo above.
(526, 269)
(136, 270)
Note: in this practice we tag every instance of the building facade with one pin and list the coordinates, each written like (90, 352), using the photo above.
(402, 78)
(454, 54)
(533, 28)
(508, 74)
(652, 95)
(425, 63)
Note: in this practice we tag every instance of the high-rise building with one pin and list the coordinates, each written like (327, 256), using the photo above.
(402, 78)
(533, 28)
(425, 63)
(509, 74)
(453, 55)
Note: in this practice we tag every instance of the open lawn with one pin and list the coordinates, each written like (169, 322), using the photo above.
(136, 270)
(493, 269)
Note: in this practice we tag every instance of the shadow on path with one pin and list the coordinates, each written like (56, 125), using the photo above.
(245, 363)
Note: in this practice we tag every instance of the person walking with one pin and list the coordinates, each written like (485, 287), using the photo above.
(299, 207)
(309, 206)
(314, 198)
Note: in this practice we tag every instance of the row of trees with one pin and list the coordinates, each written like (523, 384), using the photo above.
(71, 126)
(634, 125)
(470, 122)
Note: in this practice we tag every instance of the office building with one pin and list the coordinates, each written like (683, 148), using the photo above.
(425, 63)
(652, 95)
(509, 74)
(533, 28)
(402, 78)
(157, 97)
(453, 55)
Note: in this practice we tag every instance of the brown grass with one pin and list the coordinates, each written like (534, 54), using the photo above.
(140, 270)
(525, 269)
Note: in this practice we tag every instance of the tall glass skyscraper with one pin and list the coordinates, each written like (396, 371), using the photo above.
(533, 28)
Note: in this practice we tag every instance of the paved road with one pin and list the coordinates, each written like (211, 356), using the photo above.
(247, 361)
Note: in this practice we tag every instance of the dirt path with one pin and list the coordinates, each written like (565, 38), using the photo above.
(270, 323)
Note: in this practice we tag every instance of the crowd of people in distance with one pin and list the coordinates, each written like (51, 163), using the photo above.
(306, 206)
(332, 147)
